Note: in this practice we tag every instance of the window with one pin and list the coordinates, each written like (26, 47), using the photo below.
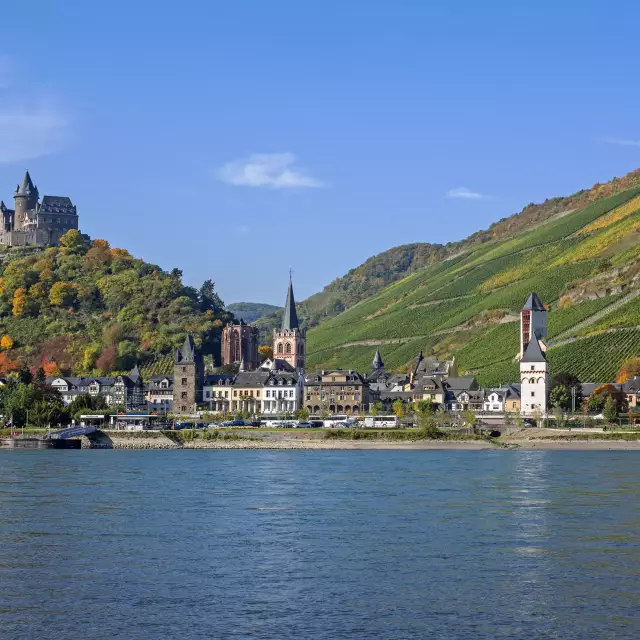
(288, 347)
(533, 394)
(184, 409)
(280, 347)
(257, 394)
(226, 394)
(184, 369)
(532, 367)
(183, 395)
(184, 381)
(235, 393)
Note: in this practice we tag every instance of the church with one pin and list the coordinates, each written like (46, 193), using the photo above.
(35, 223)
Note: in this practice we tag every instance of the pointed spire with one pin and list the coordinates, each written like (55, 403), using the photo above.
(533, 303)
(533, 352)
(26, 188)
(188, 351)
(242, 365)
(289, 317)
(377, 360)
(135, 374)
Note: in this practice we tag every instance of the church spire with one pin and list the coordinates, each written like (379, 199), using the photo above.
(26, 188)
(377, 361)
(290, 317)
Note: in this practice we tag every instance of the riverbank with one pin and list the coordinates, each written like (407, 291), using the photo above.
(526, 439)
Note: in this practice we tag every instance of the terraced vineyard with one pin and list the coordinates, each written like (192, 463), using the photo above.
(451, 308)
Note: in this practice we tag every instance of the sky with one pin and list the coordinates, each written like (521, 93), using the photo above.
(234, 140)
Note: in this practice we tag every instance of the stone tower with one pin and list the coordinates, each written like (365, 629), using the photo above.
(240, 342)
(26, 199)
(188, 378)
(533, 321)
(289, 343)
(534, 379)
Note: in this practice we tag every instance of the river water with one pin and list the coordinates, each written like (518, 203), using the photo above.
(319, 544)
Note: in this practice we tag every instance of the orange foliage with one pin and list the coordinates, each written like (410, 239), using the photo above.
(19, 302)
(628, 370)
(120, 253)
(6, 343)
(51, 369)
(7, 365)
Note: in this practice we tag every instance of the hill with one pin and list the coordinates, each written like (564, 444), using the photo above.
(252, 311)
(582, 261)
(87, 308)
(395, 264)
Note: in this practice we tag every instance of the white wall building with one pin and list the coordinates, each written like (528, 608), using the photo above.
(534, 379)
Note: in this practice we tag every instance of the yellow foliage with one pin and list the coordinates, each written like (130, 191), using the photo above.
(6, 343)
(1, 285)
(63, 293)
(615, 215)
(19, 302)
(120, 253)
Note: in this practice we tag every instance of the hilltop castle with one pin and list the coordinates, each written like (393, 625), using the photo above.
(35, 223)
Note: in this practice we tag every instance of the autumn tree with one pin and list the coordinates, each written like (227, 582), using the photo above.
(6, 343)
(630, 369)
(107, 360)
(398, 409)
(63, 294)
(19, 302)
(265, 352)
(598, 398)
(73, 241)
(51, 369)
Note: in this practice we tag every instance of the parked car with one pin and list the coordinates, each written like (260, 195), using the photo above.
(317, 424)
(233, 423)
(303, 425)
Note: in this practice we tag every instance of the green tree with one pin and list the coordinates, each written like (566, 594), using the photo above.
(302, 414)
(610, 411)
(560, 396)
(73, 241)
(40, 375)
(470, 418)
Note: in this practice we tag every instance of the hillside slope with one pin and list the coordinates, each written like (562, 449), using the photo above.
(91, 309)
(398, 262)
(252, 311)
(581, 264)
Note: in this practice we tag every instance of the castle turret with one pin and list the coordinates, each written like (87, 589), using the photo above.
(188, 378)
(26, 199)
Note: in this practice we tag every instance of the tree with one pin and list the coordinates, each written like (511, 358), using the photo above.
(630, 369)
(107, 360)
(610, 411)
(560, 396)
(470, 418)
(73, 241)
(398, 409)
(63, 294)
(598, 398)
(51, 369)
(6, 343)
(208, 298)
(302, 414)
(569, 381)
(265, 352)
(24, 374)
(19, 302)
(41, 376)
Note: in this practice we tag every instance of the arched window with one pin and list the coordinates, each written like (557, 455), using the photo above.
(532, 381)
(288, 347)
(280, 347)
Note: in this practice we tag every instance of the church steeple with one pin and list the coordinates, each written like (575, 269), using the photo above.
(377, 361)
(289, 343)
(26, 187)
(289, 317)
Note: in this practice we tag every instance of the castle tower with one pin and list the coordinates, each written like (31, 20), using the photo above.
(188, 378)
(26, 199)
(240, 342)
(533, 321)
(534, 379)
(289, 343)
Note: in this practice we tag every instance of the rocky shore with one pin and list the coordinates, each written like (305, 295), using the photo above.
(532, 439)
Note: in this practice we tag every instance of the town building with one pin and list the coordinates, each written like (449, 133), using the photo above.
(502, 399)
(240, 343)
(336, 391)
(282, 393)
(463, 393)
(35, 223)
(118, 391)
(159, 393)
(290, 341)
(188, 378)
(534, 379)
(533, 321)
(217, 392)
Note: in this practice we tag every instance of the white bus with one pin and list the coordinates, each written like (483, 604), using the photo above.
(381, 422)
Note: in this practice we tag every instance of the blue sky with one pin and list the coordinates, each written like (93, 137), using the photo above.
(234, 139)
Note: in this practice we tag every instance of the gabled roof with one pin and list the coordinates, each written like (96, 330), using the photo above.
(251, 378)
(289, 316)
(466, 383)
(135, 375)
(533, 303)
(533, 352)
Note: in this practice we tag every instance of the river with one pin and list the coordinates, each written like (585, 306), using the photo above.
(319, 544)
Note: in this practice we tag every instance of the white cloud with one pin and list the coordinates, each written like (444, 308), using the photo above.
(30, 131)
(31, 125)
(463, 192)
(273, 170)
(622, 141)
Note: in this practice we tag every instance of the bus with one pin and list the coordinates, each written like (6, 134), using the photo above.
(381, 422)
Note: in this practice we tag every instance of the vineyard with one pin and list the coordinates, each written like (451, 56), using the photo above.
(450, 308)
